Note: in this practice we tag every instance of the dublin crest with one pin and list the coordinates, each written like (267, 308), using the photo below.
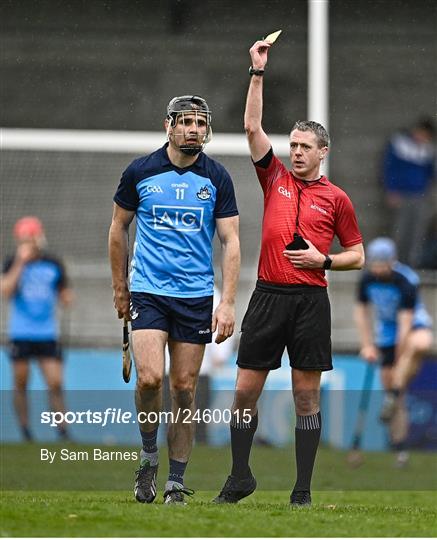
(204, 194)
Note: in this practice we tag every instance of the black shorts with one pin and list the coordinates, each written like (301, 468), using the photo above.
(387, 356)
(185, 319)
(25, 350)
(296, 317)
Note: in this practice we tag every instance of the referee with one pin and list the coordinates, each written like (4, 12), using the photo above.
(289, 308)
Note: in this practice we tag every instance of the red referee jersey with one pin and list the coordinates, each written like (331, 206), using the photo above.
(324, 211)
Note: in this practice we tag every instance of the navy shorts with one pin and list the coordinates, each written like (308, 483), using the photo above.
(185, 319)
(25, 350)
(387, 356)
(296, 317)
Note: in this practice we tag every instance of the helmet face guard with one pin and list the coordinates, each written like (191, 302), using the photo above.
(178, 107)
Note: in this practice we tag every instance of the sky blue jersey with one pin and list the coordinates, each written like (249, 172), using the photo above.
(389, 296)
(33, 305)
(175, 212)
(421, 318)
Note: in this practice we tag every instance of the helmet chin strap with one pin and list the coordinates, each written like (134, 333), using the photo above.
(190, 150)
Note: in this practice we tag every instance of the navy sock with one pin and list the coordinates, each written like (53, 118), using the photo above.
(241, 442)
(176, 471)
(307, 434)
(26, 433)
(399, 446)
(62, 432)
(149, 441)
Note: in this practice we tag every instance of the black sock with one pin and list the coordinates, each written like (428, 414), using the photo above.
(241, 442)
(307, 432)
(176, 471)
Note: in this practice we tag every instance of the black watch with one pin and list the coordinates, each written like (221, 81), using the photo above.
(327, 263)
(253, 71)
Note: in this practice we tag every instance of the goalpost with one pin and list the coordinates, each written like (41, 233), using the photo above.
(143, 142)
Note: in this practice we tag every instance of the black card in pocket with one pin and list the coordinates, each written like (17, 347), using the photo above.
(297, 243)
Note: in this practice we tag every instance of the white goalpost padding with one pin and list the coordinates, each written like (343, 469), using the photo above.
(318, 65)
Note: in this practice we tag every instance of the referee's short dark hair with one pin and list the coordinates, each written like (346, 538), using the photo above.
(319, 131)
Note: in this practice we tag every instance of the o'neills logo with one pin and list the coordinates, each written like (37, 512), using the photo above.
(183, 185)
(322, 210)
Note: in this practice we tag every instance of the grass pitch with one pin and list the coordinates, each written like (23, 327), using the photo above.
(95, 499)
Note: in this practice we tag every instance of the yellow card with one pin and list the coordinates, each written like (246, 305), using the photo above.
(271, 38)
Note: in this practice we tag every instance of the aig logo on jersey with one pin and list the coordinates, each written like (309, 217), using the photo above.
(177, 218)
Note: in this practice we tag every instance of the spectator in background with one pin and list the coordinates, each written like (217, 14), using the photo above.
(388, 295)
(34, 282)
(409, 169)
(428, 259)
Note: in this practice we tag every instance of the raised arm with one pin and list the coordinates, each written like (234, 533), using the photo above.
(259, 143)
(118, 252)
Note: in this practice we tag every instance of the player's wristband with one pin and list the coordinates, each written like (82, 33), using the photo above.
(258, 72)
(328, 262)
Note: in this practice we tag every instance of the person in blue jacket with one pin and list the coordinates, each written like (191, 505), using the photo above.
(409, 170)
